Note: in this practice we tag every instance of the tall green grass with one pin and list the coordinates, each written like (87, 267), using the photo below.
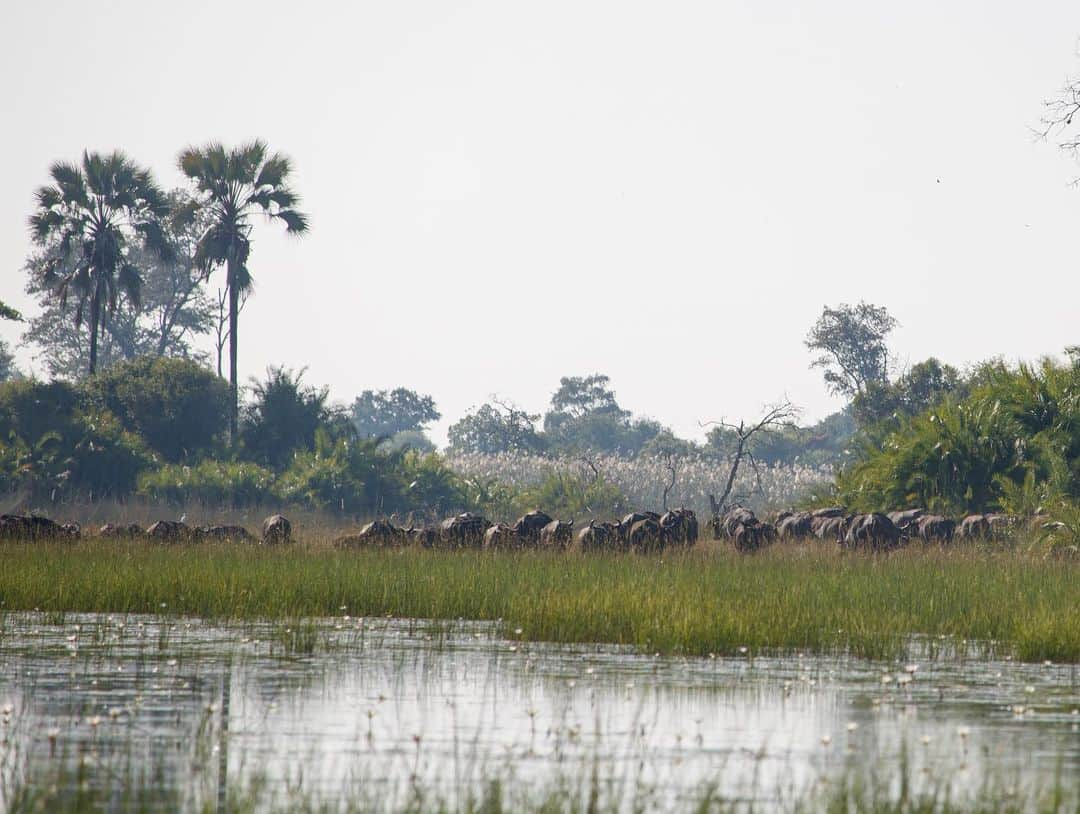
(699, 602)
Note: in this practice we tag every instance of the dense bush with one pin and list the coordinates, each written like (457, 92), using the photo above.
(282, 418)
(211, 483)
(54, 446)
(178, 406)
(1012, 444)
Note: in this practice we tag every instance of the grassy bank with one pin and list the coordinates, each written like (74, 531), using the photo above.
(705, 601)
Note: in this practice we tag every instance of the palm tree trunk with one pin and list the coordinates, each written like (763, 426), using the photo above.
(234, 302)
(95, 306)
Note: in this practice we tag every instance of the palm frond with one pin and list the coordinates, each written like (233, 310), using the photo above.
(296, 223)
(275, 171)
(69, 180)
(129, 281)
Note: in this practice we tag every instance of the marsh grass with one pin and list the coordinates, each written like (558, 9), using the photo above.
(706, 601)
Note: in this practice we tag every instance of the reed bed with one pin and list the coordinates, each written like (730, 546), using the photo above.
(709, 600)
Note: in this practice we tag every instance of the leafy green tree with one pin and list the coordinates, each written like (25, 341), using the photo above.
(919, 389)
(7, 312)
(178, 406)
(233, 186)
(495, 428)
(585, 415)
(7, 363)
(1012, 441)
(381, 413)
(282, 418)
(173, 309)
(851, 342)
(579, 396)
(54, 445)
(95, 213)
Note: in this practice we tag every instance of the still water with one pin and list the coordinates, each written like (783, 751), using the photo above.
(384, 713)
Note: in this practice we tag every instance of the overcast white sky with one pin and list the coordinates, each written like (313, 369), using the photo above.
(504, 193)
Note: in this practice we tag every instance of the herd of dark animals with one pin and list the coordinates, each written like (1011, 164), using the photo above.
(640, 532)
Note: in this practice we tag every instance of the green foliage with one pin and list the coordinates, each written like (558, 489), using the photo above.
(851, 343)
(176, 405)
(7, 312)
(568, 496)
(585, 415)
(172, 306)
(349, 476)
(210, 483)
(378, 413)
(707, 600)
(7, 363)
(919, 389)
(92, 214)
(821, 444)
(231, 187)
(1011, 444)
(282, 418)
(496, 428)
(54, 446)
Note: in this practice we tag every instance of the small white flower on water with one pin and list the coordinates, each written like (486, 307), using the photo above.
(7, 709)
(114, 713)
(53, 733)
(925, 739)
(903, 679)
(588, 671)
(886, 679)
(1029, 689)
(963, 731)
(1019, 709)
(1048, 663)
(826, 740)
(518, 631)
(513, 648)
(911, 668)
(851, 727)
(95, 721)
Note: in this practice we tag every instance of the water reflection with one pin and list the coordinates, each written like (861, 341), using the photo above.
(388, 709)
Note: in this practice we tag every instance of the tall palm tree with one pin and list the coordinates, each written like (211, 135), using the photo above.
(234, 185)
(91, 213)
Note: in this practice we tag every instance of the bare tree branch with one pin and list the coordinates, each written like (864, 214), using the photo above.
(783, 414)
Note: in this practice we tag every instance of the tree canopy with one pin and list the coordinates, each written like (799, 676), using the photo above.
(852, 349)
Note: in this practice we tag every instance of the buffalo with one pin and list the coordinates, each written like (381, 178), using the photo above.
(465, 530)
(32, 527)
(501, 537)
(679, 527)
(237, 534)
(933, 528)
(907, 520)
(644, 535)
(627, 523)
(132, 531)
(598, 536)
(557, 534)
(169, 531)
(873, 531)
(529, 525)
(376, 534)
(795, 526)
(276, 529)
(426, 536)
(752, 534)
